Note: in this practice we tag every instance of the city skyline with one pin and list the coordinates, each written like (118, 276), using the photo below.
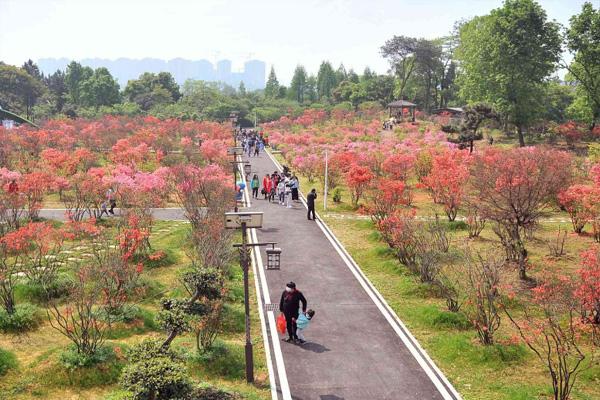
(124, 69)
(282, 32)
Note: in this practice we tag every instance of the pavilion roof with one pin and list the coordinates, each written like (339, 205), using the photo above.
(401, 103)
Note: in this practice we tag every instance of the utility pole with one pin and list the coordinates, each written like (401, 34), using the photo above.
(245, 259)
(326, 183)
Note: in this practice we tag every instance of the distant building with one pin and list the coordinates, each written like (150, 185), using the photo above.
(254, 74)
(224, 71)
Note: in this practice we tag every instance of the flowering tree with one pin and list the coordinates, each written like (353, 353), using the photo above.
(40, 247)
(571, 131)
(513, 187)
(34, 186)
(483, 296)
(581, 202)
(12, 202)
(554, 336)
(358, 178)
(447, 180)
(588, 289)
(308, 166)
(399, 166)
(403, 234)
(205, 195)
(383, 198)
(79, 320)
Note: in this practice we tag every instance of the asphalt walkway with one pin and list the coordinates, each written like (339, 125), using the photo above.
(357, 348)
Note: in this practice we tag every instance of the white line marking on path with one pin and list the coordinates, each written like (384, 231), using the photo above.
(257, 264)
(436, 376)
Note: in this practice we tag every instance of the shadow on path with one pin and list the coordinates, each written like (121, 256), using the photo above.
(314, 347)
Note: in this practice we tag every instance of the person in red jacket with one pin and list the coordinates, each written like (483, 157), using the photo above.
(13, 187)
(266, 190)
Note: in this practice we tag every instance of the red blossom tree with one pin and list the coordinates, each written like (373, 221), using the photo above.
(357, 179)
(513, 187)
(588, 290)
(399, 166)
(447, 179)
(581, 202)
(384, 196)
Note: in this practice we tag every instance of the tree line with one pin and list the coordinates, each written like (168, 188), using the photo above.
(506, 59)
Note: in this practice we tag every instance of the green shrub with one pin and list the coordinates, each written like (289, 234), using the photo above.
(37, 293)
(25, 318)
(7, 361)
(103, 368)
(447, 319)
(337, 195)
(71, 359)
(457, 226)
(155, 373)
(211, 393)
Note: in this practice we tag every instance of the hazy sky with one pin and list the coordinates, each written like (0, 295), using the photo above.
(280, 32)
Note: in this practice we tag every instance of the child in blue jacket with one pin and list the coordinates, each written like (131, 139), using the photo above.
(302, 323)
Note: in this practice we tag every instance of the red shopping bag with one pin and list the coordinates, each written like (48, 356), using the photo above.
(281, 325)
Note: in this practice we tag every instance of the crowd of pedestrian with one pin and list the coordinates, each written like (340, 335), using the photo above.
(281, 187)
(252, 142)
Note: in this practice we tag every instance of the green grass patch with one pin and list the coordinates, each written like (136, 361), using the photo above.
(7, 361)
(225, 360)
(135, 322)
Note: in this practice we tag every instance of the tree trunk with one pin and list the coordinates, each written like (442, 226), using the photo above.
(168, 341)
(521, 139)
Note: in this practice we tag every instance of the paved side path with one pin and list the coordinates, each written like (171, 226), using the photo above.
(353, 350)
(167, 214)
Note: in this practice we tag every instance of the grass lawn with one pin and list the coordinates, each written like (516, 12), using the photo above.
(39, 374)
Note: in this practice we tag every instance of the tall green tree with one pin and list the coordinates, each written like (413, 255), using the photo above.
(151, 90)
(100, 89)
(32, 69)
(272, 87)
(326, 81)
(57, 89)
(18, 90)
(297, 88)
(583, 41)
(341, 74)
(507, 57)
(75, 75)
(242, 89)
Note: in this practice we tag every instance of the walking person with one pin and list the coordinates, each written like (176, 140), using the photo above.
(267, 187)
(103, 209)
(288, 193)
(110, 197)
(254, 184)
(256, 149)
(295, 187)
(310, 202)
(289, 306)
(281, 191)
(302, 323)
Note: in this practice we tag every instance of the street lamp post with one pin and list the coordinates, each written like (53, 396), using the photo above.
(244, 221)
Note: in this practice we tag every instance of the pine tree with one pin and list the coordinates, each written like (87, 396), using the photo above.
(297, 88)
(272, 88)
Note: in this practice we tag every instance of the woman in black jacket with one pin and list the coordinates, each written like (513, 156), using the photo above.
(289, 305)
